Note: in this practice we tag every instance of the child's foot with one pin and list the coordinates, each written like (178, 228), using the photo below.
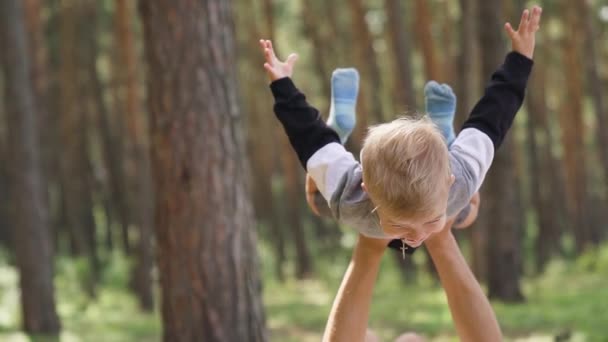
(440, 104)
(344, 91)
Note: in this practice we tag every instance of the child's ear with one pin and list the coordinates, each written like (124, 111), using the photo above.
(363, 186)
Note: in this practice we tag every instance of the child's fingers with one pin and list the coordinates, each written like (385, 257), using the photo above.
(268, 68)
(291, 60)
(510, 30)
(535, 19)
(268, 55)
(263, 44)
(269, 46)
(523, 23)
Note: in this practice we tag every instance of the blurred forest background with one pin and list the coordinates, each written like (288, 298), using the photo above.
(147, 191)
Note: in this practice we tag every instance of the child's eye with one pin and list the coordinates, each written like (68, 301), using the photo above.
(434, 221)
(399, 226)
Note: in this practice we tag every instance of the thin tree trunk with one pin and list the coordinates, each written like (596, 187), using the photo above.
(367, 61)
(320, 51)
(261, 132)
(139, 174)
(401, 46)
(467, 85)
(544, 179)
(32, 237)
(204, 221)
(422, 28)
(573, 130)
(501, 210)
(293, 197)
(74, 164)
(594, 88)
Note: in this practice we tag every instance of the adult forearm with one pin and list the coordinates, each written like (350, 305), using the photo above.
(350, 311)
(471, 311)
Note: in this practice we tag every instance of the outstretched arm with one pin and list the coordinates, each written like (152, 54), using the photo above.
(483, 132)
(504, 95)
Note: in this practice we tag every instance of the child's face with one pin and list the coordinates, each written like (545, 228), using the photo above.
(416, 230)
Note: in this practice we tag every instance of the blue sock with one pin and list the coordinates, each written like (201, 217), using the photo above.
(440, 104)
(344, 91)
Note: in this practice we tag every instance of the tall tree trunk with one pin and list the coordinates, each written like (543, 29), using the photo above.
(75, 167)
(32, 238)
(204, 221)
(139, 174)
(292, 199)
(49, 60)
(340, 55)
(40, 80)
(261, 135)
(6, 238)
(424, 35)
(401, 46)
(501, 211)
(466, 90)
(595, 90)
(367, 61)
(320, 50)
(573, 129)
(467, 60)
(541, 174)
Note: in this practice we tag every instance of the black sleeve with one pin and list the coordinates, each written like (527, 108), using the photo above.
(503, 97)
(304, 126)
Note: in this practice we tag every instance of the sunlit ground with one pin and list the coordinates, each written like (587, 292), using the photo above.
(570, 299)
(559, 304)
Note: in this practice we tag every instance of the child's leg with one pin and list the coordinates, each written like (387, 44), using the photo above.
(440, 104)
(342, 118)
(344, 91)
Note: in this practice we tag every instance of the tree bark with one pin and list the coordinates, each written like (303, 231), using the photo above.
(204, 222)
(501, 212)
(573, 130)
(139, 175)
(467, 60)
(401, 46)
(262, 130)
(75, 165)
(423, 30)
(595, 90)
(367, 61)
(32, 238)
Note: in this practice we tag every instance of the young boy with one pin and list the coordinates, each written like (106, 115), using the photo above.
(440, 105)
(407, 182)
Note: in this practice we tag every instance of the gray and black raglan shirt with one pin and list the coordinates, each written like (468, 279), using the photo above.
(338, 174)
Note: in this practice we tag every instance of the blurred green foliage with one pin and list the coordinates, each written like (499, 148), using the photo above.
(569, 299)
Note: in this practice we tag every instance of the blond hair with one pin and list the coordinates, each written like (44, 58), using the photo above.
(405, 167)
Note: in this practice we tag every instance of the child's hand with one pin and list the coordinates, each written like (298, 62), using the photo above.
(274, 67)
(523, 40)
(311, 190)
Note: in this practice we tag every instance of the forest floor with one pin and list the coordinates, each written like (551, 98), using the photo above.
(569, 299)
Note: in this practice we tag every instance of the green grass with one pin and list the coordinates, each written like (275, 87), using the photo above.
(569, 297)
(112, 317)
